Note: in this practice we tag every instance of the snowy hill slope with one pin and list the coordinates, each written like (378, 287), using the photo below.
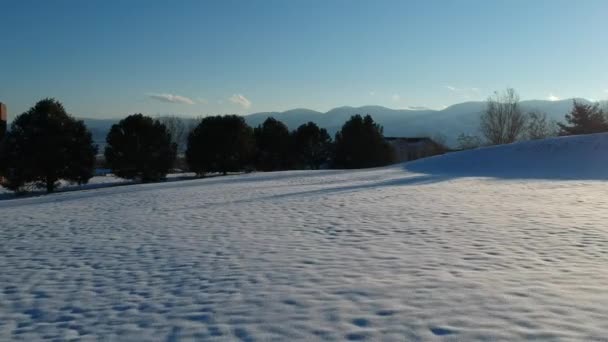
(574, 157)
(381, 254)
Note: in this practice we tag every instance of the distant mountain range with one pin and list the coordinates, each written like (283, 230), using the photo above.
(448, 122)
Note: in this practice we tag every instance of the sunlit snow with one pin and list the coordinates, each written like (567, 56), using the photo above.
(503, 243)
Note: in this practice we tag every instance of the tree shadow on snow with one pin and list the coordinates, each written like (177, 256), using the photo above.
(9, 200)
(405, 181)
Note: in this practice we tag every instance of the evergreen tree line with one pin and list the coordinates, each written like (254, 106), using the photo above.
(45, 145)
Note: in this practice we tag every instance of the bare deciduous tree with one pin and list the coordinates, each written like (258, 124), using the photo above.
(604, 106)
(503, 121)
(467, 142)
(176, 126)
(539, 126)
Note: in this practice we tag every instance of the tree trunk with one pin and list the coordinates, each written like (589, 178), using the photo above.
(50, 185)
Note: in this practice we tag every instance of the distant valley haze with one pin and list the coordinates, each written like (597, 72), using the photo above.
(447, 123)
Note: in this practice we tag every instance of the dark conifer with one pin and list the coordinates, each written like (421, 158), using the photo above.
(272, 146)
(139, 147)
(45, 145)
(312, 146)
(360, 144)
(220, 144)
(584, 119)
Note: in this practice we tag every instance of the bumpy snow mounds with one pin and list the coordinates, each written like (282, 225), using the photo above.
(382, 254)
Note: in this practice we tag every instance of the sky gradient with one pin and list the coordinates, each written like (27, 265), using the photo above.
(111, 58)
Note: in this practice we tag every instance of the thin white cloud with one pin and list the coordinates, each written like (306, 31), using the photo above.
(170, 98)
(396, 97)
(552, 97)
(201, 100)
(372, 93)
(465, 92)
(605, 90)
(240, 100)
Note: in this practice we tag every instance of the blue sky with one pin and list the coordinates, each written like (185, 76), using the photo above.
(112, 58)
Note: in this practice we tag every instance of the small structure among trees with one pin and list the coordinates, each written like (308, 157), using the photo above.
(46, 145)
(139, 147)
(584, 119)
(407, 149)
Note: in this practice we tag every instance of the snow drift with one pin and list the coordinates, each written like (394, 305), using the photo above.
(573, 157)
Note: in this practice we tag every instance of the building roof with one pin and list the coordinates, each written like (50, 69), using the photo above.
(409, 139)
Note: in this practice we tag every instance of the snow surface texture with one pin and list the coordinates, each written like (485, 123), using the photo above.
(382, 254)
(94, 183)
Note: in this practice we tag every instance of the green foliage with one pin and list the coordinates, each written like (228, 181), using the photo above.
(45, 145)
(360, 144)
(272, 146)
(139, 147)
(220, 144)
(584, 119)
(312, 146)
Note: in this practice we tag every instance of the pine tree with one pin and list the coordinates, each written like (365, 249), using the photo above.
(312, 146)
(272, 146)
(360, 144)
(584, 119)
(45, 145)
(220, 144)
(139, 147)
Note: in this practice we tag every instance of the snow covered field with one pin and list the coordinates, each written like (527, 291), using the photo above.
(505, 243)
(94, 183)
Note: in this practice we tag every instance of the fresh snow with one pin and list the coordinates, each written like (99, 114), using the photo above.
(504, 243)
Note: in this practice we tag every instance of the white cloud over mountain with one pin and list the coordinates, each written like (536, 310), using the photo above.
(171, 98)
(240, 100)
